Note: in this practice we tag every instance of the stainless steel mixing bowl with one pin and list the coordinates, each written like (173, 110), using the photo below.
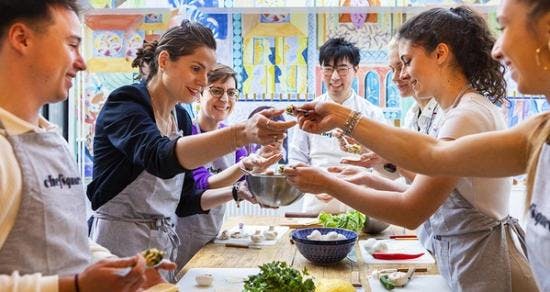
(272, 191)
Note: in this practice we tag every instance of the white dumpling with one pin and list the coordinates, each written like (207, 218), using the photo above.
(332, 235)
(315, 235)
(369, 244)
(341, 236)
(380, 246)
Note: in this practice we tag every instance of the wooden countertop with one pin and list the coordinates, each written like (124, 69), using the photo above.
(219, 256)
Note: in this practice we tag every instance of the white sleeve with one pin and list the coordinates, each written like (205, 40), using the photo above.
(299, 148)
(28, 283)
(10, 189)
(99, 252)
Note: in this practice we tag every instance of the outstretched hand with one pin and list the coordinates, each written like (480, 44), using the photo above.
(308, 179)
(316, 117)
(261, 129)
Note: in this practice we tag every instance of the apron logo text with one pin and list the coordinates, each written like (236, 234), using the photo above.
(61, 181)
(539, 217)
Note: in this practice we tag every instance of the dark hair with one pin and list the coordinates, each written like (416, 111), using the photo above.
(144, 56)
(469, 38)
(181, 40)
(537, 8)
(35, 13)
(221, 73)
(338, 49)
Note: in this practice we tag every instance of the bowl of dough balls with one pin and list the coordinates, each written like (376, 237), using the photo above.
(324, 246)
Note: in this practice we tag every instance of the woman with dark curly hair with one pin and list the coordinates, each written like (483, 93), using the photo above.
(446, 53)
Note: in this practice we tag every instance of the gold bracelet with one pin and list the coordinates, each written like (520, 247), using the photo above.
(351, 122)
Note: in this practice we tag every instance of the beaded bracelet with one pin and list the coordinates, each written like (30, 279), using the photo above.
(76, 285)
(351, 122)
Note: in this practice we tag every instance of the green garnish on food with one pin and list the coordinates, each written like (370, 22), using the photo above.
(352, 220)
(152, 256)
(279, 277)
(386, 282)
(290, 110)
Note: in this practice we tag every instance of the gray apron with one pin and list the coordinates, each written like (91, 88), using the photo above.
(538, 222)
(470, 247)
(197, 230)
(141, 216)
(49, 235)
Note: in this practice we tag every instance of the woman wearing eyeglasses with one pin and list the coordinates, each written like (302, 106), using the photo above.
(144, 152)
(216, 104)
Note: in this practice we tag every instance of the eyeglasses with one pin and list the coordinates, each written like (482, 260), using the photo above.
(218, 92)
(342, 71)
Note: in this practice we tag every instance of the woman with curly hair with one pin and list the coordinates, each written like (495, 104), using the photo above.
(467, 218)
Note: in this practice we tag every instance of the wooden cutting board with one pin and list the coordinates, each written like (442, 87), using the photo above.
(251, 229)
(225, 279)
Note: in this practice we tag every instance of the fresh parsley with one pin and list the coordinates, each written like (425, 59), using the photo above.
(279, 277)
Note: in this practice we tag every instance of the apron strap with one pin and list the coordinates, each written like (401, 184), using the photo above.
(513, 223)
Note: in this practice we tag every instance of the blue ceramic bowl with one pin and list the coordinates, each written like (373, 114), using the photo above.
(324, 252)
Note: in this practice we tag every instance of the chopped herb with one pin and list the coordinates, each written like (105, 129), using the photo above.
(279, 277)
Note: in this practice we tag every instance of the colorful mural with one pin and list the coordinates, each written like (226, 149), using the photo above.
(275, 54)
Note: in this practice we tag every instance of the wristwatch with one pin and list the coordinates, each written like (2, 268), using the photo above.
(389, 167)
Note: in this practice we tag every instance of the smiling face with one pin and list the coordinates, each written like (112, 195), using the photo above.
(395, 64)
(339, 80)
(218, 107)
(185, 78)
(420, 68)
(521, 60)
(54, 57)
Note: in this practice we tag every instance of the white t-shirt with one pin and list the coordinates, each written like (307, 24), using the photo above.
(475, 114)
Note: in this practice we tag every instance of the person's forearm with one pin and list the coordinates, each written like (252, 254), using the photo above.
(67, 284)
(473, 155)
(192, 152)
(225, 178)
(215, 197)
(385, 184)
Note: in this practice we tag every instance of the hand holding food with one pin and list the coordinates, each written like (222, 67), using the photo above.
(105, 275)
(152, 256)
(321, 116)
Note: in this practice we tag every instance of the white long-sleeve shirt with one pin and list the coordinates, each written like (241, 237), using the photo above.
(10, 201)
(324, 150)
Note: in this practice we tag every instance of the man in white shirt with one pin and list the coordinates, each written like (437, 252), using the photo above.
(43, 235)
(339, 60)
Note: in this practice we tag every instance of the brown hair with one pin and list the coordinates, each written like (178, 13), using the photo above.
(144, 57)
(537, 139)
(221, 73)
(33, 12)
(470, 40)
(181, 40)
